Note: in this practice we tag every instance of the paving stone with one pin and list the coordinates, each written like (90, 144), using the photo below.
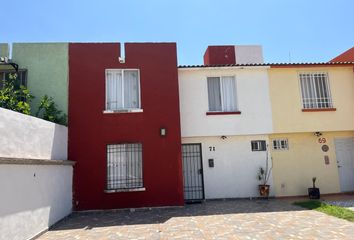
(229, 219)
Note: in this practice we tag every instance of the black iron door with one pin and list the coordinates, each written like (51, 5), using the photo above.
(192, 172)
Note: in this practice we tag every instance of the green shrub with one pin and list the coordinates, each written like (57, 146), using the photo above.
(49, 111)
(13, 97)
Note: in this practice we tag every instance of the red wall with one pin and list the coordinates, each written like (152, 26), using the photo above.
(90, 130)
(347, 56)
(220, 55)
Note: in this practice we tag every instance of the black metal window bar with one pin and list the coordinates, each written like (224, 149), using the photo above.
(124, 166)
(21, 77)
(258, 145)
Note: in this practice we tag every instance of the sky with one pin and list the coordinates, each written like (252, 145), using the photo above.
(288, 30)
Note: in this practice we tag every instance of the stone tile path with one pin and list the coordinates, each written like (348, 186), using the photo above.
(231, 219)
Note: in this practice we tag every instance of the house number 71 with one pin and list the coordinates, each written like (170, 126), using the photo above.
(212, 149)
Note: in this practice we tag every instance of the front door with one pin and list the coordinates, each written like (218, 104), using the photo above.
(192, 172)
(345, 162)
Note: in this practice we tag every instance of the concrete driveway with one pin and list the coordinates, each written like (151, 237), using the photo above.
(229, 219)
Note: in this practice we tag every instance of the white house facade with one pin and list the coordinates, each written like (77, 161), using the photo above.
(225, 121)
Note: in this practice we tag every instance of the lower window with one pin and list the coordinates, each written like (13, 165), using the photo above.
(259, 145)
(280, 144)
(124, 166)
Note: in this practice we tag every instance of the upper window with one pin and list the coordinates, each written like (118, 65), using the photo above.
(280, 144)
(122, 89)
(124, 166)
(259, 145)
(315, 90)
(222, 94)
(20, 80)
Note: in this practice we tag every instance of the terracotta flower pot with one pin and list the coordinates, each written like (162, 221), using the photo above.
(264, 190)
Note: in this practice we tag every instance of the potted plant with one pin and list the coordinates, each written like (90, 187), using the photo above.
(263, 176)
(314, 192)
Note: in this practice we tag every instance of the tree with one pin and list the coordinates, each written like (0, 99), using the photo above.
(49, 111)
(13, 97)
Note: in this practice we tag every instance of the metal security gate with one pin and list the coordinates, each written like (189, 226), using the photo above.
(192, 172)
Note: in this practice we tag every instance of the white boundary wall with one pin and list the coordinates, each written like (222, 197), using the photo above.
(35, 177)
(33, 197)
(24, 136)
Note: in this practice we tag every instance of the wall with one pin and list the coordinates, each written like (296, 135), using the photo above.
(4, 50)
(285, 94)
(294, 168)
(47, 65)
(33, 197)
(24, 136)
(235, 166)
(248, 54)
(252, 97)
(36, 187)
(90, 130)
(219, 55)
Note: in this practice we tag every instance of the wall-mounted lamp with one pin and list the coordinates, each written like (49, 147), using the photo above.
(121, 60)
(223, 137)
(317, 134)
(163, 132)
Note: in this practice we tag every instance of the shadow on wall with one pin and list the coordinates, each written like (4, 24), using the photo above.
(108, 218)
(60, 143)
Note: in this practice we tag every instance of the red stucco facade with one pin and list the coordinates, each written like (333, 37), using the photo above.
(215, 55)
(90, 130)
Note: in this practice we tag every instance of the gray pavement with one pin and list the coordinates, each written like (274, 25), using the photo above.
(229, 219)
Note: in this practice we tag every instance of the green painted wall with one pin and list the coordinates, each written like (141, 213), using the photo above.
(4, 50)
(47, 71)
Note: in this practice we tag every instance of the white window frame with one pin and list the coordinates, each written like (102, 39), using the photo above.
(317, 100)
(259, 146)
(221, 93)
(278, 146)
(139, 109)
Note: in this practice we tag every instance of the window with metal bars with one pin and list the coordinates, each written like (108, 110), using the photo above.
(258, 145)
(315, 90)
(222, 94)
(21, 78)
(122, 89)
(124, 166)
(280, 144)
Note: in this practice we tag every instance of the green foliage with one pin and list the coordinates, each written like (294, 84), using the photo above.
(15, 98)
(48, 110)
(335, 211)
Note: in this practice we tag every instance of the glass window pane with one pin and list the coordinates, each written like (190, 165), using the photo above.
(214, 95)
(124, 166)
(131, 89)
(114, 90)
(315, 90)
(229, 94)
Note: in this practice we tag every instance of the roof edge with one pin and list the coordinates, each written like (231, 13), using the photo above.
(271, 65)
